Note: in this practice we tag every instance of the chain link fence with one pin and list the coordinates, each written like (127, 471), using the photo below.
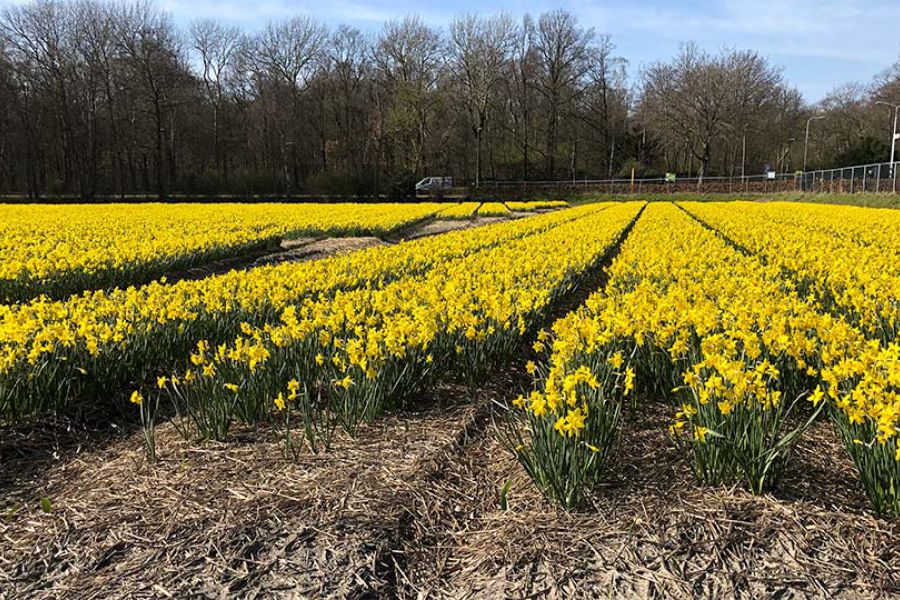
(877, 177)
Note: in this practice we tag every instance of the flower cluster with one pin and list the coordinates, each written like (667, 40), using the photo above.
(492, 209)
(848, 256)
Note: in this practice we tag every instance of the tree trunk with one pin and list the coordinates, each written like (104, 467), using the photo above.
(160, 153)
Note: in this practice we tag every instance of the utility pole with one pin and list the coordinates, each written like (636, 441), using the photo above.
(896, 108)
(744, 130)
(806, 143)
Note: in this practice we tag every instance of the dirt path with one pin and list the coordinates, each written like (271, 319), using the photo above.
(295, 251)
(438, 226)
(313, 248)
(310, 248)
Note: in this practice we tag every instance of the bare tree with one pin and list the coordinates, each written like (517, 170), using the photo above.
(8, 98)
(152, 50)
(349, 72)
(408, 57)
(291, 50)
(698, 98)
(218, 47)
(606, 98)
(287, 55)
(564, 51)
(521, 76)
(847, 121)
(480, 48)
(39, 36)
(96, 49)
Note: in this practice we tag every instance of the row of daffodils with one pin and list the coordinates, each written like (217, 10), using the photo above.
(849, 257)
(749, 354)
(57, 250)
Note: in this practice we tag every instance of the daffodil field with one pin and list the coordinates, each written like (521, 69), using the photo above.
(750, 348)
(62, 249)
(54, 352)
(466, 210)
(535, 205)
(848, 258)
(344, 359)
(754, 321)
(463, 210)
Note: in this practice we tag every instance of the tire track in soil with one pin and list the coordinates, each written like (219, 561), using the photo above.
(314, 248)
(282, 249)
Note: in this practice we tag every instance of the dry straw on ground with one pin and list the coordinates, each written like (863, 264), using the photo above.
(410, 509)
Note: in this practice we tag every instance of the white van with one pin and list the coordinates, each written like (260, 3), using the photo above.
(432, 184)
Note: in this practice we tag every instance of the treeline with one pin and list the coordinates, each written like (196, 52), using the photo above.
(100, 98)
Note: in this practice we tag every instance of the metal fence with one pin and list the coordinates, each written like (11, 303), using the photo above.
(878, 177)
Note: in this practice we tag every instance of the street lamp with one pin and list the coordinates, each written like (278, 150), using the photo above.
(896, 108)
(784, 161)
(806, 143)
(744, 152)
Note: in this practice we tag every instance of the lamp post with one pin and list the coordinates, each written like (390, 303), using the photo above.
(896, 108)
(806, 142)
(785, 158)
(744, 153)
(744, 157)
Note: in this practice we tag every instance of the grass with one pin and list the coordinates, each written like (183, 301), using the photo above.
(872, 200)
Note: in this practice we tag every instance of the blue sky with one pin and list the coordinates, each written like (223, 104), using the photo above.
(820, 43)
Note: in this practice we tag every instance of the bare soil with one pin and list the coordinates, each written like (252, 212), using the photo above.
(310, 248)
(223, 519)
(292, 251)
(438, 226)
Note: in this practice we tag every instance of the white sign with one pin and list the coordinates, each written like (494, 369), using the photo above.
(770, 175)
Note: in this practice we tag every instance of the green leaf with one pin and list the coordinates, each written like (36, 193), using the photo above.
(504, 495)
(46, 506)
(10, 514)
